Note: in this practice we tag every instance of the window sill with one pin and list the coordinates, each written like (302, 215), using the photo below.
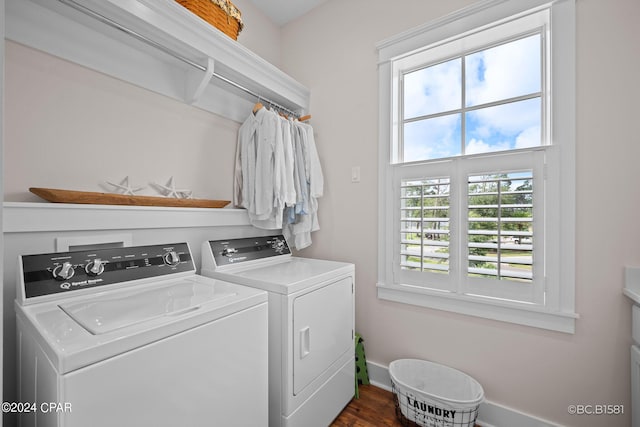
(472, 306)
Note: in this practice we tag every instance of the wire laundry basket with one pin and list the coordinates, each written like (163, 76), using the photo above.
(431, 395)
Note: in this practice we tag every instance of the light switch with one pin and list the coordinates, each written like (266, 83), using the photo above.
(355, 174)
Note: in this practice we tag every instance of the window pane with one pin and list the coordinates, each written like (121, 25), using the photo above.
(500, 215)
(434, 89)
(503, 127)
(502, 72)
(424, 225)
(432, 138)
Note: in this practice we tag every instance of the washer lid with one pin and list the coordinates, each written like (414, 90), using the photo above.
(101, 315)
(69, 343)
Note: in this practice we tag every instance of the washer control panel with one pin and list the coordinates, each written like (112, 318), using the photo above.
(232, 251)
(54, 273)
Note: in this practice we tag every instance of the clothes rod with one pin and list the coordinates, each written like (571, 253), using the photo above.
(170, 52)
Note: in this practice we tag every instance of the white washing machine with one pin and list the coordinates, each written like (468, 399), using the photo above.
(311, 324)
(133, 337)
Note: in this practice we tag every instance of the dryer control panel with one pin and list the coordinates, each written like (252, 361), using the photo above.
(233, 251)
(62, 272)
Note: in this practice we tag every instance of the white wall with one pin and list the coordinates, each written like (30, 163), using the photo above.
(260, 34)
(332, 51)
(72, 128)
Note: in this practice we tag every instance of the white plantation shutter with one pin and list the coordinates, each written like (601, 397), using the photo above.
(424, 225)
(503, 227)
(472, 230)
(500, 226)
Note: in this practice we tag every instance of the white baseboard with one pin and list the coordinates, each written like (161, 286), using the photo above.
(379, 375)
(490, 414)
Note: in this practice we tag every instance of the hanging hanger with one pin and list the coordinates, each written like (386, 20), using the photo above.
(280, 110)
(277, 109)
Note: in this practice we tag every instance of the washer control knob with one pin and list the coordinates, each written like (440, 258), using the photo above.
(95, 267)
(278, 246)
(229, 251)
(171, 258)
(63, 272)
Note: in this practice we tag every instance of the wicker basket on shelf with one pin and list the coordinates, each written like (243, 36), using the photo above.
(222, 14)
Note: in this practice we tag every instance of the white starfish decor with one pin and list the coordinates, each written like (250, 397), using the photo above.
(125, 187)
(169, 190)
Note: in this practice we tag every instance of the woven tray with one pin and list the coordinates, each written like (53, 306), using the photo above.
(221, 14)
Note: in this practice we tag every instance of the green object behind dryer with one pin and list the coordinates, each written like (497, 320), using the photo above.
(362, 376)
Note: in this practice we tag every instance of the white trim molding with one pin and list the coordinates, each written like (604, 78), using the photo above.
(19, 217)
(488, 309)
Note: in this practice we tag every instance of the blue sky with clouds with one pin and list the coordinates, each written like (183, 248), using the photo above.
(506, 71)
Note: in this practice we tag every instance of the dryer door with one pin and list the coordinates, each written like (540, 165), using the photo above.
(322, 330)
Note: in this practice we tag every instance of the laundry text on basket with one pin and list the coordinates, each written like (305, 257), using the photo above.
(430, 409)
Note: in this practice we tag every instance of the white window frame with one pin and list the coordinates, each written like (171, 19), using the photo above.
(557, 309)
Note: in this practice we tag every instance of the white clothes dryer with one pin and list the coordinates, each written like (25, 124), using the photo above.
(311, 324)
(133, 337)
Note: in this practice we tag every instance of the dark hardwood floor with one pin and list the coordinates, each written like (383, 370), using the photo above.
(374, 408)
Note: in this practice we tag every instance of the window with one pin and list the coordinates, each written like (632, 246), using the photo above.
(481, 101)
(477, 164)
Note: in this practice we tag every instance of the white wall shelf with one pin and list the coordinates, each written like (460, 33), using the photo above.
(55, 27)
(19, 217)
